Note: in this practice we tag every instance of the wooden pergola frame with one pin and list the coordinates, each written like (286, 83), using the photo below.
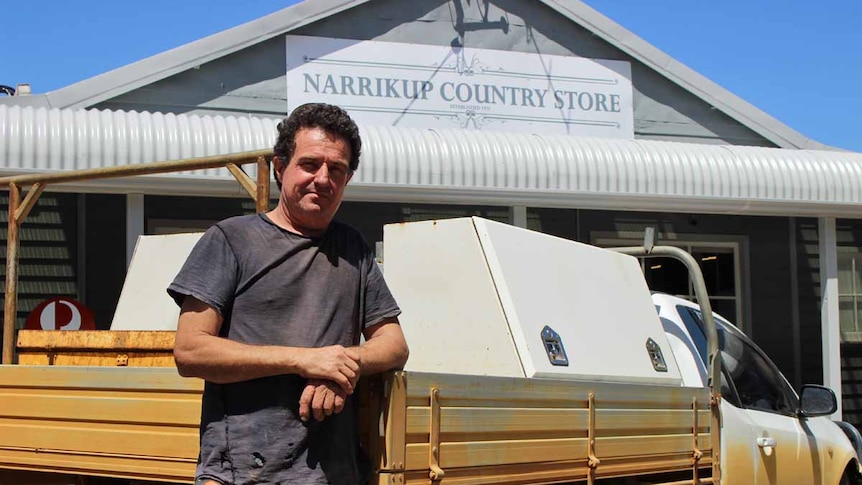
(19, 209)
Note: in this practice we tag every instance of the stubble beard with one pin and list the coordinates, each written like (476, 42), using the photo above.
(315, 211)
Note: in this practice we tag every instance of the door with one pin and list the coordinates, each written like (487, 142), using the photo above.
(784, 452)
(763, 441)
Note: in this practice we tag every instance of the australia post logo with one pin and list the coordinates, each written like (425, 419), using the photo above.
(60, 313)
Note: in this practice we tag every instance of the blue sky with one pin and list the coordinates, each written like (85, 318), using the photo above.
(798, 60)
(795, 59)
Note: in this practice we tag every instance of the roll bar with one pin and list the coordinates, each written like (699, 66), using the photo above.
(649, 250)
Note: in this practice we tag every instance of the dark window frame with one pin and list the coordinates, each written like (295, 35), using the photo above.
(694, 323)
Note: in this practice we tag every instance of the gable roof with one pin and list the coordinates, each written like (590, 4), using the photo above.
(111, 84)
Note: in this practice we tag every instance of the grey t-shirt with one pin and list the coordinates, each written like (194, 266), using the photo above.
(274, 287)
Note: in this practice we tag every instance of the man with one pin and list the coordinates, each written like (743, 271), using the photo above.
(272, 310)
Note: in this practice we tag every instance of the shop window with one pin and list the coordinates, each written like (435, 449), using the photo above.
(719, 262)
(718, 265)
(177, 226)
(850, 295)
(414, 213)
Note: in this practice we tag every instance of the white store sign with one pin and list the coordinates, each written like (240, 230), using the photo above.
(386, 83)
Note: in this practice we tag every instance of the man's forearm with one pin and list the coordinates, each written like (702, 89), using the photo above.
(224, 361)
(199, 351)
(385, 350)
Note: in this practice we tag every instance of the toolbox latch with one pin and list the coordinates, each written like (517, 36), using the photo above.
(554, 347)
(656, 356)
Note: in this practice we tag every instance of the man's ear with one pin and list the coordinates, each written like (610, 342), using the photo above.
(277, 167)
(349, 176)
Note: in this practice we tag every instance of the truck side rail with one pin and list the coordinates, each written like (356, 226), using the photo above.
(62, 419)
(416, 426)
(481, 429)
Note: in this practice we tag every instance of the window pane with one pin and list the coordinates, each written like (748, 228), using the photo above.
(849, 317)
(845, 274)
(718, 267)
(422, 212)
(847, 313)
(849, 273)
(693, 323)
(725, 308)
(857, 275)
(726, 392)
(758, 384)
(666, 275)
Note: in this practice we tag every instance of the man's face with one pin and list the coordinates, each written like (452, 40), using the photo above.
(314, 179)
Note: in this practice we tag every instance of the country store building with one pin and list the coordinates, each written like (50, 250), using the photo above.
(541, 113)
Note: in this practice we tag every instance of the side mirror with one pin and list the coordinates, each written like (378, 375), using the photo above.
(817, 401)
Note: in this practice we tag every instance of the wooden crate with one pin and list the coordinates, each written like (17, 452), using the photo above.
(96, 348)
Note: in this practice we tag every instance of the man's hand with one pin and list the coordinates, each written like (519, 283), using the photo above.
(335, 363)
(321, 398)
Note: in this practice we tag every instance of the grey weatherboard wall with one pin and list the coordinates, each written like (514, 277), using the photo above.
(48, 254)
(253, 79)
(72, 245)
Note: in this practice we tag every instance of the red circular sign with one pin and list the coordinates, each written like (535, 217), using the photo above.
(60, 313)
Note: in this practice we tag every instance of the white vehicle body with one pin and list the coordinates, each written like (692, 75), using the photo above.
(764, 439)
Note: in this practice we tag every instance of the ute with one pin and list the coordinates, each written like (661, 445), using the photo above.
(534, 359)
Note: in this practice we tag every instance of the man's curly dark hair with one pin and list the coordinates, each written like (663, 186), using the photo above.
(330, 118)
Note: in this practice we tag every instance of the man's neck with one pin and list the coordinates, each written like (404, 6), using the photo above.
(282, 219)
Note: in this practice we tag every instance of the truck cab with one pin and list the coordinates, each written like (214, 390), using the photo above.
(769, 434)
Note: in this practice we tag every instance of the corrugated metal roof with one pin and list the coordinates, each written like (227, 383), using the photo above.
(34, 139)
(111, 84)
(453, 166)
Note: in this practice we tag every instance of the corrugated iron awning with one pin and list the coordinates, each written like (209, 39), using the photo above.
(443, 166)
